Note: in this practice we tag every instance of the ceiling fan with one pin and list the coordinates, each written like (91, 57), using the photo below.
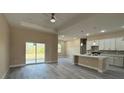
(53, 19)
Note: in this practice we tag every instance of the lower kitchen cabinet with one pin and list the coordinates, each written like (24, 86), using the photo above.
(118, 61)
(115, 61)
(110, 60)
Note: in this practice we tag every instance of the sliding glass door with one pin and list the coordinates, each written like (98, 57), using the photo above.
(35, 52)
(40, 53)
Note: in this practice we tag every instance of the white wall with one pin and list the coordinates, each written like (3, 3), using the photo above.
(4, 46)
(19, 36)
(63, 45)
(73, 47)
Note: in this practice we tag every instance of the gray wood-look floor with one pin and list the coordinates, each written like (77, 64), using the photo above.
(65, 69)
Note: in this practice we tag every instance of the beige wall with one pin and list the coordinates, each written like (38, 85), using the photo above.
(4, 46)
(63, 45)
(73, 47)
(114, 34)
(19, 36)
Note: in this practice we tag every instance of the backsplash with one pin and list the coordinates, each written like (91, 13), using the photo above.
(112, 52)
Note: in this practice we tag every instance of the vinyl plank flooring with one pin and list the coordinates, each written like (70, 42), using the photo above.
(65, 69)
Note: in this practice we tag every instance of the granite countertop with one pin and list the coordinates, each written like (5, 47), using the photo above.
(91, 56)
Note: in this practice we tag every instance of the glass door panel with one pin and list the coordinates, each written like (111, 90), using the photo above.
(40, 52)
(30, 53)
(35, 52)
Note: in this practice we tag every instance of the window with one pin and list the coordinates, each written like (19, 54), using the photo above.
(59, 48)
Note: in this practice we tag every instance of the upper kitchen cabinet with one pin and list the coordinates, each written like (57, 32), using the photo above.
(120, 43)
(101, 44)
(110, 44)
(113, 44)
(107, 44)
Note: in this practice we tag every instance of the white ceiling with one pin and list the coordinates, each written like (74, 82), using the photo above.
(68, 24)
(93, 25)
(39, 20)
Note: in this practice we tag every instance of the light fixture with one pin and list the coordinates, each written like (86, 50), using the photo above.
(122, 26)
(53, 20)
(94, 43)
(63, 36)
(102, 31)
(81, 44)
(87, 34)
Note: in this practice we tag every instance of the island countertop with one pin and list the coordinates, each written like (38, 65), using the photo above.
(94, 62)
(91, 56)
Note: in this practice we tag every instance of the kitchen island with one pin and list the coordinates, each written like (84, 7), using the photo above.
(94, 62)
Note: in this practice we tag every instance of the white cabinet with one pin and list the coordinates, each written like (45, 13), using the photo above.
(111, 60)
(118, 61)
(113, 44)
(110, 44)
(101, 44)
(107, 44)
(119, 43)
(115, 61)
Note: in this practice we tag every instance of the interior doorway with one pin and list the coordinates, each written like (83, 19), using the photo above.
(35, 53)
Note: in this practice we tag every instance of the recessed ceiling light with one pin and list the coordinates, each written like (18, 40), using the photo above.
(102, 31)
(87, 34)
(122, 26)
(63, 36)
(94, 43)
(74, 38)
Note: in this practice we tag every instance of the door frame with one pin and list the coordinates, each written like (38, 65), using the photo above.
(35, 52)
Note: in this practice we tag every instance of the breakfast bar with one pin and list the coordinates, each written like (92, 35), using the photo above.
(94, 62)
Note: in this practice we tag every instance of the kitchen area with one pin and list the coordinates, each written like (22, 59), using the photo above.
(97, 42)
(101, 52)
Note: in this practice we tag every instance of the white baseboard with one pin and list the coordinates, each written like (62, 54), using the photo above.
(50, 61)
(19, 65)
